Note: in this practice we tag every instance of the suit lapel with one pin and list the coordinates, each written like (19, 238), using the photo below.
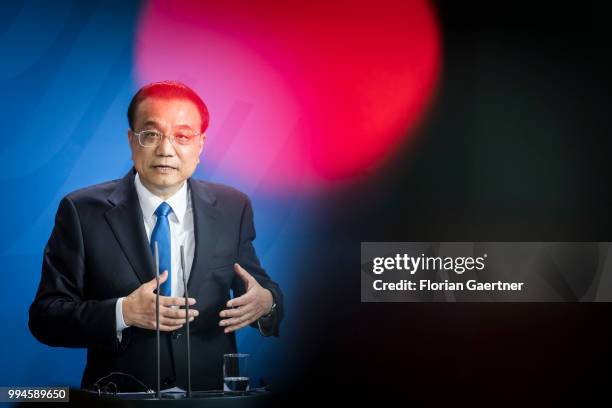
(205, 215)
(126, 221)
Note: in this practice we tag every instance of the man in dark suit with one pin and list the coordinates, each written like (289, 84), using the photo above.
(97, 288)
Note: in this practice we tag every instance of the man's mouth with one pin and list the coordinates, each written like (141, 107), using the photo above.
(163, 168)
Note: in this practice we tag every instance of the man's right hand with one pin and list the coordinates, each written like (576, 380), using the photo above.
(139, 308)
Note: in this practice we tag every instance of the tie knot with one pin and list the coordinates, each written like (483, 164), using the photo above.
(163, 210)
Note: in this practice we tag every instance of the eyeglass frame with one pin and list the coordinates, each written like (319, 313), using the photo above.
(169, 137)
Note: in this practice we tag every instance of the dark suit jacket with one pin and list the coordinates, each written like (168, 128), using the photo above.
(98, 251)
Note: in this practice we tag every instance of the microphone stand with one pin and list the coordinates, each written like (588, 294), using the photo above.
(157, 340)
(187, 322)
(157, 358)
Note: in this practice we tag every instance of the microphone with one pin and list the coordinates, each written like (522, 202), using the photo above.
(157, 358)
(187, 322)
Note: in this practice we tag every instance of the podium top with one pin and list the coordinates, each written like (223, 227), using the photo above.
(212, 398)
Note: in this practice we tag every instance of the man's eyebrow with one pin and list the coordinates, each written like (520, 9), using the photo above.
(183, 127)
(151, 122)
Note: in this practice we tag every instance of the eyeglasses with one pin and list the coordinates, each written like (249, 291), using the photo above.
(152, 138)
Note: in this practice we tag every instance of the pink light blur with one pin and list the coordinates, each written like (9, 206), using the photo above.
(302, 95)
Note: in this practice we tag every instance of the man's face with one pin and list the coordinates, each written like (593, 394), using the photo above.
(164, 168)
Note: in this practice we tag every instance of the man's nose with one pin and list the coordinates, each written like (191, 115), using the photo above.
(165, 147)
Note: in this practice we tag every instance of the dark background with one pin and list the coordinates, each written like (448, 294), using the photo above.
(515, 148)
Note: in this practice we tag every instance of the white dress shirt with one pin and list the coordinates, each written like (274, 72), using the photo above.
(181, 233)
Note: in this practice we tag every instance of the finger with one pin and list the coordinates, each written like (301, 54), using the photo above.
(163, 327)
(177, 313)
(175, 301)
(236, 312)
(236, 327)
(241, 300)
(248, 317)
(152, 284)
(168, 321)
(240, 271)
(236, 319)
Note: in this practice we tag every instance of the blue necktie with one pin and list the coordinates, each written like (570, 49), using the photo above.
(161, 234)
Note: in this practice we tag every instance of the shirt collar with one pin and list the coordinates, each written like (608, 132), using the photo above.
(149, 201)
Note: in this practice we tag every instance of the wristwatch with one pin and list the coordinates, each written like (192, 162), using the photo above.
(271, 311)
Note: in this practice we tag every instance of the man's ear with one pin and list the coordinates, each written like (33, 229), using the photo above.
(201, 146)
(202, 142)
(131, 137)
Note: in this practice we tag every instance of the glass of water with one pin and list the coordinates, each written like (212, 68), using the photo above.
(235, 373)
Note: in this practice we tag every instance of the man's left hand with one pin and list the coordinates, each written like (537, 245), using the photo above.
(245, 309)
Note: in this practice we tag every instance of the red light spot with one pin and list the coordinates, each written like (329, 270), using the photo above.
(301, 94)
